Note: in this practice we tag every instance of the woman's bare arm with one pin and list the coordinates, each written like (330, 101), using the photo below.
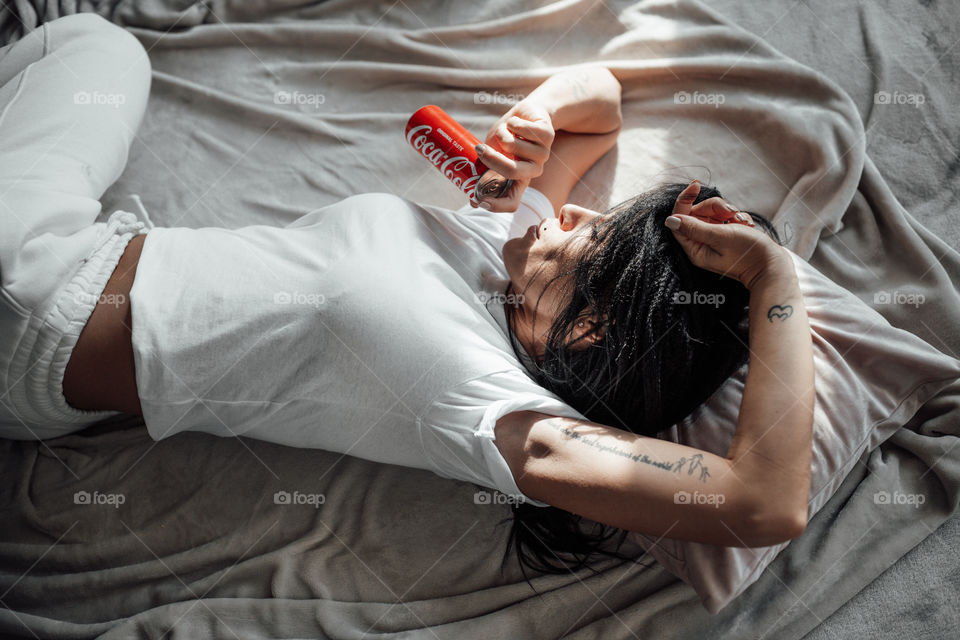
(585, 109)
(775, 427)
(582, 100)
(571, 157)
(562, 127)
(773, 439)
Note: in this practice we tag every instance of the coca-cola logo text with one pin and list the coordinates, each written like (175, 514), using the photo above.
(459, 169)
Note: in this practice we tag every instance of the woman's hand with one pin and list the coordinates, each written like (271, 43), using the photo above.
(517, 147)
(584, 99)
(740, 251)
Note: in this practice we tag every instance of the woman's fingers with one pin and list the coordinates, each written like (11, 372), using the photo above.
(718, 210)
(536, 131)
(686, 198)
(511, 140)
(714, 208)
(711, 210)
(518, 169)
(692, 229)
(504, 204)
(732, 250)
(520, 148)
(695, 236)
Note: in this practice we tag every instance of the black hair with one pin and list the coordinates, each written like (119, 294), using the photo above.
(670, 334)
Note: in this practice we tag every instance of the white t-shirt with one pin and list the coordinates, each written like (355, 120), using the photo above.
(372, 327)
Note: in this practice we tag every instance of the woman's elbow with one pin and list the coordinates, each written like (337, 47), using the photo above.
(797, 525)
(768, 527)
(607, 92)
(615, 114)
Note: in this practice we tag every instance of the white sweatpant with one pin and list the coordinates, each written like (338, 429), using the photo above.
(72, 94)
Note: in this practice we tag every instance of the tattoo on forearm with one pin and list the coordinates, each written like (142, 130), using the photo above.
(779, 311)
(692, 464)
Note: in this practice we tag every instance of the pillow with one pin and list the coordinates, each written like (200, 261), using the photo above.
(871, 378)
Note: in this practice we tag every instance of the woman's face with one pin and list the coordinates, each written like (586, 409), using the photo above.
(536, 258)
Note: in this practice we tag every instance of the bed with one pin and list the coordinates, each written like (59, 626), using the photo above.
(260, 112)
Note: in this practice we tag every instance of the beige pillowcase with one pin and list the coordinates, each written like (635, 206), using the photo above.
(871, 378)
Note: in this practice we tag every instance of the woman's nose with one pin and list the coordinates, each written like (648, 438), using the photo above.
(572, 215)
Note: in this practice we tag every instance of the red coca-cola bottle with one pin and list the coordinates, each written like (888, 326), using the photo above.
(450, 148)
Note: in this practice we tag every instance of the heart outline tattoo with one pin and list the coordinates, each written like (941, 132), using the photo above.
(777, 311)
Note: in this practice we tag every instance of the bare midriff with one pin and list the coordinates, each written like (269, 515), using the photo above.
(100, 373)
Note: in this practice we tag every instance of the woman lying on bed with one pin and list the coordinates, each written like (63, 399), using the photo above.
(540, 364)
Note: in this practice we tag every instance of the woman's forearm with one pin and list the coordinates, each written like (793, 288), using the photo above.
(774, 430)
(585, 100)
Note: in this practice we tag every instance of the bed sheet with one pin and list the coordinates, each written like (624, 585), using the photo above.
(261, 111)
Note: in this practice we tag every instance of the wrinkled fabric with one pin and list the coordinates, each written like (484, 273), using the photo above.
(394, 550)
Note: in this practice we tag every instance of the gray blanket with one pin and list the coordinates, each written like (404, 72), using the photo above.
(199, 548)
